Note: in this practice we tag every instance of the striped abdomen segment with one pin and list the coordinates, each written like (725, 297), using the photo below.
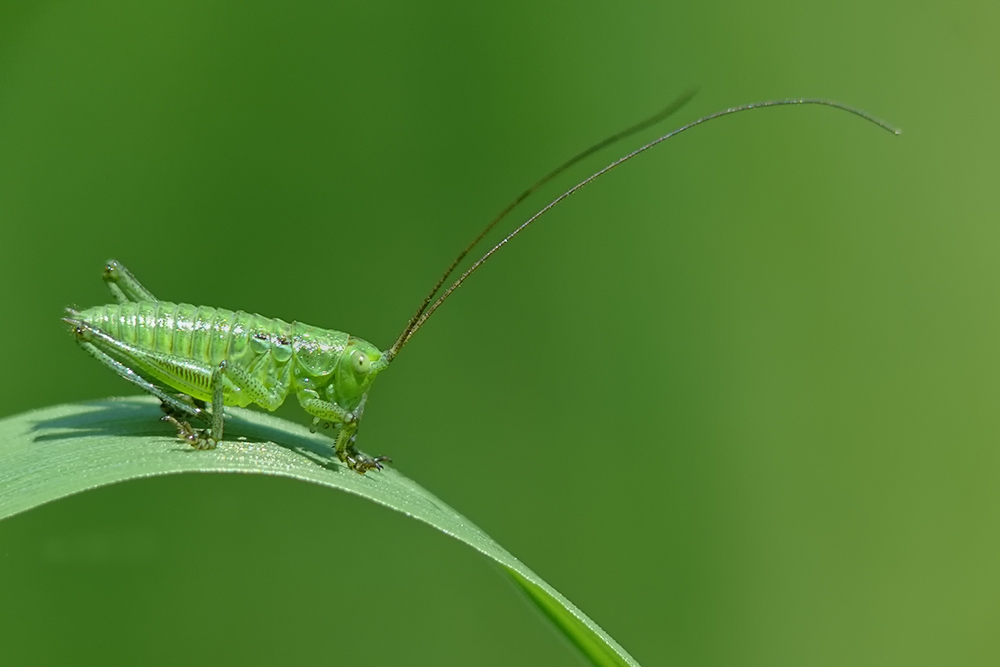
(197, 333)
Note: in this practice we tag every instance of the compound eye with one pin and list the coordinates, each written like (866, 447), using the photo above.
(361, 363)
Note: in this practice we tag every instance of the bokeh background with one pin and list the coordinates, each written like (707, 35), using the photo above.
(738, 400)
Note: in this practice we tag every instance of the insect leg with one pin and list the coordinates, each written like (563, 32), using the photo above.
(123, 285)
(172, 402)
(187, 376)
(350, 448)
(253, 389)
(119, 356)
(235, 379)
(344, 445)
(206, 438)
(358, 412)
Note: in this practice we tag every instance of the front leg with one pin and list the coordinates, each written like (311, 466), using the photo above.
(358, 412)
(325, 411)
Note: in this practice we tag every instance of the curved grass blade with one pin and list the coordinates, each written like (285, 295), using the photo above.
(578, 629)
(58, 451)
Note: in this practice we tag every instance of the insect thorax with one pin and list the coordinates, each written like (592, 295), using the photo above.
(338, 366)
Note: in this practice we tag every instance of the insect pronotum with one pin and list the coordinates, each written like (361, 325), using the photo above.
(196, 359)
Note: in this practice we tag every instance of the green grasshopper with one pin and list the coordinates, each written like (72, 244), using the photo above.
(197, 359)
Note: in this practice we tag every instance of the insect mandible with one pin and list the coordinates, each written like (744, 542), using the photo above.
(196, 359)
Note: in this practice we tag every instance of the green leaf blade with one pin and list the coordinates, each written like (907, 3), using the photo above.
(62, 450)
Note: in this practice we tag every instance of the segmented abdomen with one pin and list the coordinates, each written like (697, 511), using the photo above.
(197, 333)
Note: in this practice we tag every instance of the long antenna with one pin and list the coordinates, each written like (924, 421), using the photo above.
(425, 312)
(660, 115)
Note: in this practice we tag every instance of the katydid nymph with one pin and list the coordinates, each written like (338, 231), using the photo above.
(196, 359)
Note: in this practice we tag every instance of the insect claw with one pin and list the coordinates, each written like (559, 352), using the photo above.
(183, 428)
(197, 438)
(361, 464)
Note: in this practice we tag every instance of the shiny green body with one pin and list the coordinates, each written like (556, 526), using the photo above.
(229, 358)
(285, 358)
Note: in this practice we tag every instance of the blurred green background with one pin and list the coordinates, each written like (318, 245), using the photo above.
(737, 400)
